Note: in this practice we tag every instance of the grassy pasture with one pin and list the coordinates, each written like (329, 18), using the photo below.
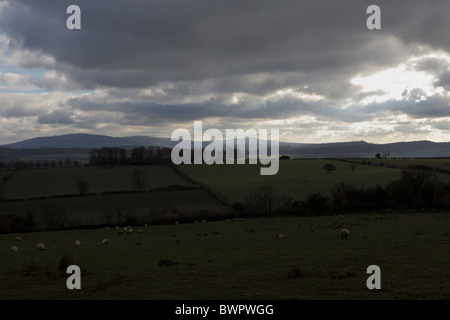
(240, 260)
(58, 181)
(439, 163)
(91, 210)
(296, 178)
(4, 173)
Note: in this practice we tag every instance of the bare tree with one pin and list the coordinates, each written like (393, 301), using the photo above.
(263, 199)
(139, 180)
(83, 187)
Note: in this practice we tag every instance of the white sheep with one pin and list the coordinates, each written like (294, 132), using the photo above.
(280, 236)
(18, 238)
(78, 243)
(341, 216)
(344, 234)
(105, 241)
(140, 231)
(14, 249)
(129, 230)
(41, 247)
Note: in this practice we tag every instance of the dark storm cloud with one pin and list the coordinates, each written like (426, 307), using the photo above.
(138, 43)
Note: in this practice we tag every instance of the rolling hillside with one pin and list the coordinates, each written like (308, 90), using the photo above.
(295, 178)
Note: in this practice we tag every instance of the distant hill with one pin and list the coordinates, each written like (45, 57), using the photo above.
(362, 149)
(82, 140)
(80, 144)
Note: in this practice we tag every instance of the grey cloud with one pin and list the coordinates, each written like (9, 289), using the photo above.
(439, 67)
(194, 55)
(415, 104)
(56, 117)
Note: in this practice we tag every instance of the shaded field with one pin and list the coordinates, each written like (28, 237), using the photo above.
(239, 260)
(439, 163)
(59, 181)
(93, 210)
(296, 178)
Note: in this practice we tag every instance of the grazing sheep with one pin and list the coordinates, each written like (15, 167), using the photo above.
(203, 221)
(280, 236)
(140, 231)
(129, 230)
(18, 238)
(105, 241)
(341, 216)
(41, 247)
(78, 243)
(120, 232)
(344, 234)
(14, 249)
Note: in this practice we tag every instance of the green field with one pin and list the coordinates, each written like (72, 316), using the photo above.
(239, 260)
(296, 178)
(439, 163)
(59, 181)
(92, 210)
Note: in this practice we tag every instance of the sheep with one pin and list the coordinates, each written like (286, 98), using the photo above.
(203, 221)
(78, 243)
(344, 234)
(18, 238)
(120, 232)
(140, 231)
(105, 241)
(341, 216)
(129, 230)
(280, 236)
(14, 249)
(41, 247)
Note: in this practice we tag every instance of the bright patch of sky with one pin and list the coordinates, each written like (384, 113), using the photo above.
(396, 82)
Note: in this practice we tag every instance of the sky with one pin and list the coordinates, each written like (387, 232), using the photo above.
(311, 69)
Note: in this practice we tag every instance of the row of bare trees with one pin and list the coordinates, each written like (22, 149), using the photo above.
(136, 156)
(17, 164)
